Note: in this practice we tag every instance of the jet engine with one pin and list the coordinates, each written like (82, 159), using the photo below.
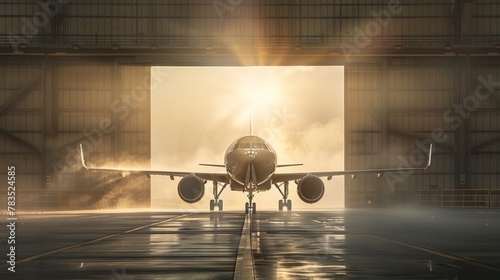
(310, 189)
(191, 189)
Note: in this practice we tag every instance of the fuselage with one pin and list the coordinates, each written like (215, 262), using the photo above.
(250, 162)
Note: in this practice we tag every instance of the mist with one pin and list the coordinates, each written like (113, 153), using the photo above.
(198, 111)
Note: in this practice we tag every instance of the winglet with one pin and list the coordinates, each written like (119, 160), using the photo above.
(82, 157)
(429, 157)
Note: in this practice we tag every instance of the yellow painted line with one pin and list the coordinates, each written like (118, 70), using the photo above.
(94, 217)
(94, 240)
(245, 268)
(441, 254)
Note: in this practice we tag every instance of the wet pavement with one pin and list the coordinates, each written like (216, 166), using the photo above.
(378, 244)
(343, 244)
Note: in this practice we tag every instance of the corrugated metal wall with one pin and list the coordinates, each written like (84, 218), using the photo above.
(21, 124)
(483, 129)
(104, 105)
(52, 105)
(393, 104)
(396, 106)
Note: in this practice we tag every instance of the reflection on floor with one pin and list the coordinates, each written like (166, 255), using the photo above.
(343, 244)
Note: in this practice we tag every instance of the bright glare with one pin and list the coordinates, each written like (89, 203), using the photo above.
(198, 111)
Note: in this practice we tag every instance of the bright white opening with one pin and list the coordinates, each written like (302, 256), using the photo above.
(198, 111)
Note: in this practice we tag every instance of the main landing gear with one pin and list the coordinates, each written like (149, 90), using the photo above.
(250, 206)
(216, 202)
(285, 202)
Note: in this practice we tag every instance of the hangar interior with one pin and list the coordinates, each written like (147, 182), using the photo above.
(415, 72)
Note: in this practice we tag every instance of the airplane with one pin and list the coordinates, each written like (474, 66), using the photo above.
(251, 165)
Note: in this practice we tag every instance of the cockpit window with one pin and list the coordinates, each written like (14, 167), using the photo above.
(244, 146)
(250, 145)
(257, 146)
(260, 146)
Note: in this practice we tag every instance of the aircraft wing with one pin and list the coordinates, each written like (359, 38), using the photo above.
(219, 177)
(282, 177)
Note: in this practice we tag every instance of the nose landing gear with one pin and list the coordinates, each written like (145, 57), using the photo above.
(250, 206)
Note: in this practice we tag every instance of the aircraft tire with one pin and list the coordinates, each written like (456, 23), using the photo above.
(254, 208)
(246, 207)
(221, 205)
(289, 205)
(212, 205)
(280, 205)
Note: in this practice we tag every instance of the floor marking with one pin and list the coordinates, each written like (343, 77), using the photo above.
(441, 254)
(94, 217)
(94, 240)
(245, 268)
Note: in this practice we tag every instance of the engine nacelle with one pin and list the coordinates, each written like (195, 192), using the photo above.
(191, 189)
(310, 189)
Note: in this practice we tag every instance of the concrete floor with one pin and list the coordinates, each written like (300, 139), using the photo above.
(344, 244)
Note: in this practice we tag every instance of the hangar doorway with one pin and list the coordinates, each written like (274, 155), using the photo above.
(196, 112)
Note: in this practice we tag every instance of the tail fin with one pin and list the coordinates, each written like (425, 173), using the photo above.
(251, 119)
